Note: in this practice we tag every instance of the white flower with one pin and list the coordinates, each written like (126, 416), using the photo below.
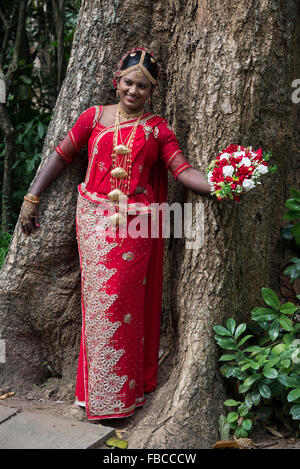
(245, 161)
(261, 169)
(209, 175)
(238, 153)
(224, 156)
(248, 184)
(228, 170)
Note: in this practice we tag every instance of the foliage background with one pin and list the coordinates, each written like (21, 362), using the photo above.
(32, 87)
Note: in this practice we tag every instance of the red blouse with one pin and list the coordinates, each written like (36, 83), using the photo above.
(153, 139)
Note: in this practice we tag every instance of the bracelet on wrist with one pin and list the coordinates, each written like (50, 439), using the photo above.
(34, 199)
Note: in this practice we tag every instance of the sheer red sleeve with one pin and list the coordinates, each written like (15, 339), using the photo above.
(78, 136)
(170, 150)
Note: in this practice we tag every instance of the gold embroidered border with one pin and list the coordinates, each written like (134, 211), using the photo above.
(96, 117)
(73, 140)
(104, 385)
(173, 156)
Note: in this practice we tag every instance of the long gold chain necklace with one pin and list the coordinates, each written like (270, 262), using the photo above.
(121, 172)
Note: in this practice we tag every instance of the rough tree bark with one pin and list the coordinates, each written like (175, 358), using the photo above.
(227, 74)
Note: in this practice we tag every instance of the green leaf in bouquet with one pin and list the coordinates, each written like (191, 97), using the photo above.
(273, 168)
(270, 297)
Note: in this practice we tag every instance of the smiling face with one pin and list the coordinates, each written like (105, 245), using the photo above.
(134, 90)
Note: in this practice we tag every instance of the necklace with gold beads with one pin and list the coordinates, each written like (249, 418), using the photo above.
(121, 161)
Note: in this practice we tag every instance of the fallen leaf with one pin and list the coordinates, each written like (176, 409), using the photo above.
(8, 394)
(274, 432)
(116, 443)
(237, 443)
(225, 444)
(245, 443)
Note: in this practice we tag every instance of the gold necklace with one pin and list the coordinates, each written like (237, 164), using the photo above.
(131, 115)
(119, 173)
(123, 148)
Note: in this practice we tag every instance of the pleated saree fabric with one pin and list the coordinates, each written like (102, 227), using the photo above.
(121, 275)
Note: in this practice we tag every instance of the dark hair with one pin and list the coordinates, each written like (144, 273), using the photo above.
(149, 62)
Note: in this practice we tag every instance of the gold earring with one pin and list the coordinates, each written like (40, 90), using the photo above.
(117, 93)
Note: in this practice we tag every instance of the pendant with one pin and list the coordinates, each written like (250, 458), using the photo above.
(121, 149)
(115, 194)
(119, 173)
(117, 219)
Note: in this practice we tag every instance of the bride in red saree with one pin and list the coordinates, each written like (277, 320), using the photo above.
(129, 154)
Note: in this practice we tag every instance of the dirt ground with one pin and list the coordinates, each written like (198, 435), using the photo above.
(43, 400)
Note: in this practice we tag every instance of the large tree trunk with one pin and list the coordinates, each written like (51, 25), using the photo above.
(227, 74)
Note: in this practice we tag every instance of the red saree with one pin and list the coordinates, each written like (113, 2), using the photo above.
(121, 277)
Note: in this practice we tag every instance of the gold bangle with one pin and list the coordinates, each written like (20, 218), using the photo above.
(30, 200)
(32, 197)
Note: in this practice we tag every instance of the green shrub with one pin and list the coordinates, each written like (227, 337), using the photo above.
(266, 369)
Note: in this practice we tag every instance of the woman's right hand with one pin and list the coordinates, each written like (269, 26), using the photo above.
(29, 217)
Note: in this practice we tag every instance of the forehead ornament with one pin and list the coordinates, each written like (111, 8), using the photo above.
(140, 68)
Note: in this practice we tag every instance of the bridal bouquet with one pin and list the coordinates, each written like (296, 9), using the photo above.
(236, 170)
